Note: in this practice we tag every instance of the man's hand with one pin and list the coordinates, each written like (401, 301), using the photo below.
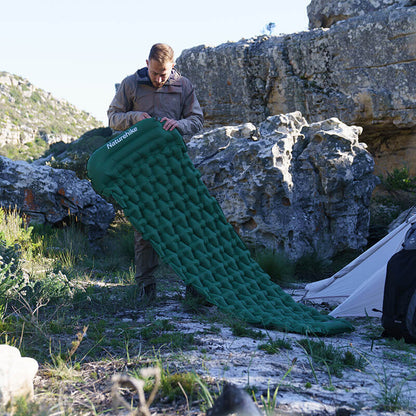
(170, 124)
(143, 115)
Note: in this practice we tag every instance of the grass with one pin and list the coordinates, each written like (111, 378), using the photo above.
(241, 329)
(275, 346)
(330, 358)
(269, 402)
(393, 393)
(162, 333)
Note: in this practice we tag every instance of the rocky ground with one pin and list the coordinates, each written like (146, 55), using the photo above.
(380, 381)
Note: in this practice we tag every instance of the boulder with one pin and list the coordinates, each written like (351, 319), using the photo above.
(54, 196)
(16, 375)
(290, 186)
(361, 70)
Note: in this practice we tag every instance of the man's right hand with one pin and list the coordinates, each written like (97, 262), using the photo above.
(143, 115)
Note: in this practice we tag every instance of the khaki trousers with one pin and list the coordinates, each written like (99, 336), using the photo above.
(146, 260)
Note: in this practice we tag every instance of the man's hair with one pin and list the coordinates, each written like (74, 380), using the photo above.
(161, 52)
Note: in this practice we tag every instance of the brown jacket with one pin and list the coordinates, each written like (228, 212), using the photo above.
(175, 100)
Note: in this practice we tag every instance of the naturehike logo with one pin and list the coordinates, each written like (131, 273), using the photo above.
(121, 138)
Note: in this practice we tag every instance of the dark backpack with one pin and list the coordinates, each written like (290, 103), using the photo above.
(399, 302)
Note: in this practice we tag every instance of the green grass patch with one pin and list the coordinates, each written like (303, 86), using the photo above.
(275, 346)
(330, 358)
(163, 333)
(241, 329)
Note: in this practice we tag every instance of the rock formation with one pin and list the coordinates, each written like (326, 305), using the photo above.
(289, 186)
(324, 13)
(361, 70)
(16, 375)
(28, 113)
(53, 196)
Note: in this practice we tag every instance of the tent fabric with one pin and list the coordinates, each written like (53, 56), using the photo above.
(148, 172)
(359, 286)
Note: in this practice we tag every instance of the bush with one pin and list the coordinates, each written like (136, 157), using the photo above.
(283, 270)
(10, 273)
(14, 231)
(395, 194)
(277, 265)
(399, 179)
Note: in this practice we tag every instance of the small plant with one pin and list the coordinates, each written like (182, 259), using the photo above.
(48, 287)
(240, 329)
(275, 346)
(334, 360)
(10, 276)
(269, 402)
(391, 397)
(176, 384)
(22, 406)
(400, 344)
(173, 385)
(206, 393)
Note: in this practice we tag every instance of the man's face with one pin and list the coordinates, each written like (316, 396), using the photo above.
(158, 72)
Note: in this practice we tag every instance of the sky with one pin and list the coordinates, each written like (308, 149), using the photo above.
(79, 49)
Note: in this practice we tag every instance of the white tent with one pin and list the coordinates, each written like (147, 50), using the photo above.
(359, 286)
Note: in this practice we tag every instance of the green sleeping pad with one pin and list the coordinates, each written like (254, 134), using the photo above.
(148, 172)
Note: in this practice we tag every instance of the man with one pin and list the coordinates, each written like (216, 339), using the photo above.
(156, 90)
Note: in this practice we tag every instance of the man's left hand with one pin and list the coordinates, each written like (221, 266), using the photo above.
(170, 124)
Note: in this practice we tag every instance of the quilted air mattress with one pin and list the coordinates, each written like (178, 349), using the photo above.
(148, 172)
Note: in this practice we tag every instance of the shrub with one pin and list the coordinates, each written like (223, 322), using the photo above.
(277, 265)
(398, 179)
(311, 267)
(10, 273)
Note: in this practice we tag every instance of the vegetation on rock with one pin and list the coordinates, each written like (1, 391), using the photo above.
(31, 119)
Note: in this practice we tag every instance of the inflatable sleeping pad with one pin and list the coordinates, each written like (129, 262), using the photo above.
(148, 172)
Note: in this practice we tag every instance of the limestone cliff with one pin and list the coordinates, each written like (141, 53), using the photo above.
(361, 70)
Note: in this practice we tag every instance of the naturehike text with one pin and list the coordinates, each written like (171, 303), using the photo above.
(121, 138)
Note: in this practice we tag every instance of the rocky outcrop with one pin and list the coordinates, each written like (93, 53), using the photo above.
(289, 186)
(75, 155)
(324, 13)
(361, 70)
(28, 113)
(53, 196)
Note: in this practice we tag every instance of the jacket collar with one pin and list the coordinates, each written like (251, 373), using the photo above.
(142, 77)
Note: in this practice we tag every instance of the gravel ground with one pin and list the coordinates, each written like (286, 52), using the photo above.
(387, 376)
(381, 381)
